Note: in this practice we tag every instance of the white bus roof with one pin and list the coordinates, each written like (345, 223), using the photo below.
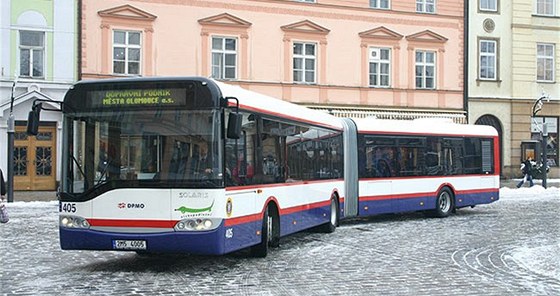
(423, 126)
(254, 101)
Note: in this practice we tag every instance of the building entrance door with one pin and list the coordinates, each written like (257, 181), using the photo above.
(35, 159)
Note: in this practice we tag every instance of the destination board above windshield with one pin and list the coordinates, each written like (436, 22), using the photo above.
(138, 98)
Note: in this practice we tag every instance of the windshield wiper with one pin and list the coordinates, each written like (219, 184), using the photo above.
(103, 172)
(81, 170)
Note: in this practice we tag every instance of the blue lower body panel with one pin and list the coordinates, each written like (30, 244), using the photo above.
(203, 243)
(472, 199)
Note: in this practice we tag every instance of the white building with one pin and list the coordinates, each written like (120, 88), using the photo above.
(38, 51)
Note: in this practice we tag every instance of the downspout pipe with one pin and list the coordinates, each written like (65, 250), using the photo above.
(466, 60)
(79, 44)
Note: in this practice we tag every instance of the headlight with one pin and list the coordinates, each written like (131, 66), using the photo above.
(199, 224)
(73, 222)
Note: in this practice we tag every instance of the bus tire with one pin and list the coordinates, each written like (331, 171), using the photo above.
(444, 203)
(330, 226)
(270, 232)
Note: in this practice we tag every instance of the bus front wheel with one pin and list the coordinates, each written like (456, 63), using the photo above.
(270, 232)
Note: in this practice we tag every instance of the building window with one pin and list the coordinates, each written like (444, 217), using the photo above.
(126, 52)
(545, 62)
(488, 5)
(384, 4)
(425, 69)
(31, 54)
(545, 7)
(304, 62)
(552, 139)
(379, 67)
(426, 6)
(224, 58)
(487, 63)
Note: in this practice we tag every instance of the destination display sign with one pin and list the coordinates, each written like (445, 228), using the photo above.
(137, 98)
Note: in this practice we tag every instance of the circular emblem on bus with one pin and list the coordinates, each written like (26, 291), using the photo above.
(229, 207)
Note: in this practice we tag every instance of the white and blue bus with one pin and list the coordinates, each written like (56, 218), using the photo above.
(193, 165)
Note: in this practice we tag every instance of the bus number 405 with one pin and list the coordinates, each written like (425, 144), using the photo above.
(67, 207)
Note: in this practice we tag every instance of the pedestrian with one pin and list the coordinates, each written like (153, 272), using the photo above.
(527, 170)
(3, 211)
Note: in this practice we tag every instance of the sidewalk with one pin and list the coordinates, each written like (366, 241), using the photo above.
(34, 196)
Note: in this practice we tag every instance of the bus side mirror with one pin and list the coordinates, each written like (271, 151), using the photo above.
(234, 125)
(33, 120)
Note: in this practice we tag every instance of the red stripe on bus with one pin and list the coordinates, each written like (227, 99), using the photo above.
(286, 211)
(132, 223)
(497, 158)
(243, 220)
(395, 196)
(476, 191)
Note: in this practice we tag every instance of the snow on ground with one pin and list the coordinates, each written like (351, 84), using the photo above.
(530, 193)
(33, 204)
(537, 259)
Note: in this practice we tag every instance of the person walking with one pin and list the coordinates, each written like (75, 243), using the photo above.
(3, 212)
(527, 170)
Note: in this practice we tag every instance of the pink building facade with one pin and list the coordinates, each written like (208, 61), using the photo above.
(355, 58)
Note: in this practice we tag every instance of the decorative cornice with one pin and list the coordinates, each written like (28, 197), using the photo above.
(381, 33)
(535, 27)
(225, 19)
(127, 12)
(306, 26)
(427, 36)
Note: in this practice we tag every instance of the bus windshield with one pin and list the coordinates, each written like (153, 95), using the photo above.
(135, 148)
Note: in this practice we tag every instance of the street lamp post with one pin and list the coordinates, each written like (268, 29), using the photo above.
(544, 153)
(537, 106)
(11, 131)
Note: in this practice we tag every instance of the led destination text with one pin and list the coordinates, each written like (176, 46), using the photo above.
(138, 97)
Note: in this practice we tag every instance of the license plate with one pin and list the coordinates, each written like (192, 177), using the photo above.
(120, 244)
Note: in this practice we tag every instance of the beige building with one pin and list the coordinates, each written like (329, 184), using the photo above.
(513, 61)
(389, 58)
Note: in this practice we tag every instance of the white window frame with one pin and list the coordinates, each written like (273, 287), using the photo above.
(308, 1)
(376, 61)
(545, 7)
(378, 4)
(426, 6)
(491, 58)
(488, 5)
(304, 57)
(34, 51)
(220, 69)
(542, 62)
(424, 65)
(127, 48)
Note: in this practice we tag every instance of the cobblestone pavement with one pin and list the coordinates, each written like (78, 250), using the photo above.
(511, 247)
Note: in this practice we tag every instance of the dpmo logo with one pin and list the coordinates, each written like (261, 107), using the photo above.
(123, 205)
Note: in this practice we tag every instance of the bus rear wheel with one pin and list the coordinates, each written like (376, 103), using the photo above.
(330, 226)
(270, 232)
(444, 203)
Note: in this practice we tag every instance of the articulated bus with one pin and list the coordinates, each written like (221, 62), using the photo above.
(193, 165)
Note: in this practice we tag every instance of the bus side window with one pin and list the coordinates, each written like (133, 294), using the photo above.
(240, 154)
(432, 164)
